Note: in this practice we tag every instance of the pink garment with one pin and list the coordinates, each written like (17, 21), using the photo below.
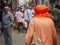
(19, 16)
(45, 30)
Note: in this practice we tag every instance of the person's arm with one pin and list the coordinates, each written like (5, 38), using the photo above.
(11, 17)
(29, 35)
(22, 15)
(25, 15)
(15, 15)
(54, 35)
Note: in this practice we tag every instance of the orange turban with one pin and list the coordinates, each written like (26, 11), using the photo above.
(41, 11)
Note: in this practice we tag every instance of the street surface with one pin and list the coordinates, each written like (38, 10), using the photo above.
(19, 38)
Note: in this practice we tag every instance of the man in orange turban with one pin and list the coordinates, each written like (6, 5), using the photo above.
(43, 25)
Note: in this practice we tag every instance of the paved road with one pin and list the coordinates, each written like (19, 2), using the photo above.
(18, 38)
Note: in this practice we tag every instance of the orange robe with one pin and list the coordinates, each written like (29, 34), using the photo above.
(45, 30)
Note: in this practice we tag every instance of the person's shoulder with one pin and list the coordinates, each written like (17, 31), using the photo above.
(10, 13)
(55, 9)
(49, 20)
(19, 12)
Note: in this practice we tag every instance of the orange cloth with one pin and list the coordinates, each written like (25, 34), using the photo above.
(42, 11)
(44, 28)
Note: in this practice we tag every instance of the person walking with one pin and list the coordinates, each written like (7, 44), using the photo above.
(7, 21)
(19, 17)
(42, 26)
(28, 15)
(56, 14)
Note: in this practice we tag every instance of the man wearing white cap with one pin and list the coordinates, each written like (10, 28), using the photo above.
(7, 21)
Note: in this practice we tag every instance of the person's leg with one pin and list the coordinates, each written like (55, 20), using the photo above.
(5, 37)
(8, 36)
(19, 27)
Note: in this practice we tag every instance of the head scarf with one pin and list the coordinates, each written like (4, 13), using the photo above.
(41, 11)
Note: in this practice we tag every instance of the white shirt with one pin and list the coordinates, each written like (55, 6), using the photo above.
(28, 14)
(19, 16)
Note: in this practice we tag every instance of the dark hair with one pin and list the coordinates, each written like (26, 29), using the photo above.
(57, 6)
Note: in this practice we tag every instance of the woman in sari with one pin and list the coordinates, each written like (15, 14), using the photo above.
(43, 25)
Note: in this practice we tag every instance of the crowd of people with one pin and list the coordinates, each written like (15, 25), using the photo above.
(55, 11)
(39, 22)
(41, 30)
(23, 18)
(7, 19)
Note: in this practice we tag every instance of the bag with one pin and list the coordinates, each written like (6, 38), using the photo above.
(36, 40)
(15, 24)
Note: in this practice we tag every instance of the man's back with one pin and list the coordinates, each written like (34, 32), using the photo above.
(45, 30)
